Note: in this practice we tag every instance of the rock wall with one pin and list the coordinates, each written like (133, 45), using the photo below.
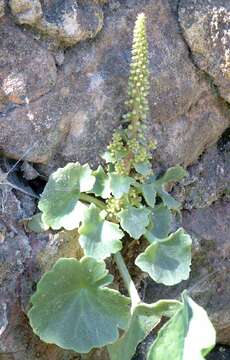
(63, 74)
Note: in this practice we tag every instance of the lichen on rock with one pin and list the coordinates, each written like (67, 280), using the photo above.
(2, 8)
(206, 28)
(28, 71)
(26, 11)
(65, 22)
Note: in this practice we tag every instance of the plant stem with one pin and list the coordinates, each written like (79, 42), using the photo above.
(91, 199)
(135, 299)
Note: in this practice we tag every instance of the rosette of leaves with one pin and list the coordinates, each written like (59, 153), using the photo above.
(74, 305)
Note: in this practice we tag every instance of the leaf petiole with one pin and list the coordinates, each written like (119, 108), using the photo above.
(91, 199)
(135, 299)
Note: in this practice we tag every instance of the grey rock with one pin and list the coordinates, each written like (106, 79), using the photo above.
(29, 172)
(220, 353)
(184, 140)
(2, 8)
(76, 119)
(209, 179)
(34, 119)
(104, 81)
(72, 21)
(59, 57)
(206, 27)
(26, 11)
(28, 71)
(67, 22)
(174, 5)
(3, 318)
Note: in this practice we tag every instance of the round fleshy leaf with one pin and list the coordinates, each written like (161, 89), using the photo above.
(168, 199)
(167, 261)
(102, 185)
(161, 223)
(144, 168)
(153, 189)
(189, 334)
(98, 237)
(149, 193)
(120, 184)
(173, 174)
(134, 220)
(144, 318)
(72, 308)
(59, 201)
(36, 223)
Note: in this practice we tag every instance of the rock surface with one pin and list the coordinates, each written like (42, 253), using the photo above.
(2, 8)
(184, 140)
(28, 71)
(206, 27)
(26, 11)
(220, 353)
(74, 120)
(67, 22)
(209, 179)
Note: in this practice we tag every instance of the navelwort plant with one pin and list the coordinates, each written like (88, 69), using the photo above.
(74, 305)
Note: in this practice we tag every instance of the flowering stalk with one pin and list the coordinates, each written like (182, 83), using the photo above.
(130, 146)
(138, 87)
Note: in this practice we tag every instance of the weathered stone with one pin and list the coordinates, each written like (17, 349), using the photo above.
(206, 26)
(88, 99)
(67, 22)
(220, 353)
(210, 275)
(209, 179)
(26, 11)
(29, 172)
(184, 140)
(59, 57)
(2, 8)
(13, 239)
(104, 80)
(174, 5)
(62, 244)
(45, 123)
(70, 21)
(28, 71)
